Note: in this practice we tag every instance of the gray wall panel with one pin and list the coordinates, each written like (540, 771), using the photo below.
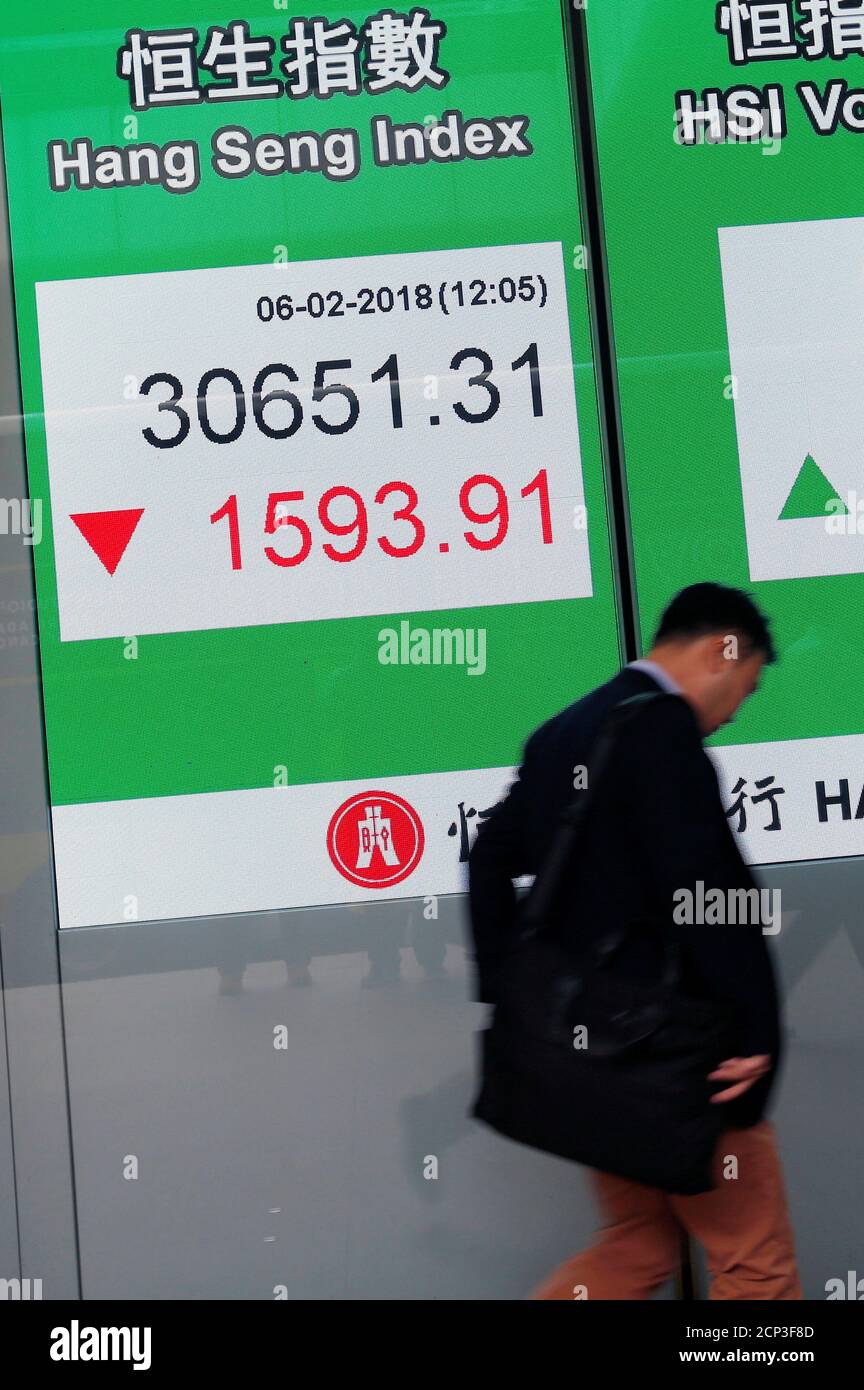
(299, 1167)
(9, 1263)
(27, 917)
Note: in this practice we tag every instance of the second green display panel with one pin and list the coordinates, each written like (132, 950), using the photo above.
(730, 152)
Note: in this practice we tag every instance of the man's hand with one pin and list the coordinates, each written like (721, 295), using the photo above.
(744, 1070)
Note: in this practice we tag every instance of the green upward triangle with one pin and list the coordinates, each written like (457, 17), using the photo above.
(811, 492)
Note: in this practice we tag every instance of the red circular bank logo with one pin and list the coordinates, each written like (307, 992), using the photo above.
(375, 839)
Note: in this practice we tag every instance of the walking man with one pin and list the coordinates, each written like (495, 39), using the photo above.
(657, 827)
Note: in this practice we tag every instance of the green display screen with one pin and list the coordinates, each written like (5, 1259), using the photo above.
(729, 142)
(312, 437)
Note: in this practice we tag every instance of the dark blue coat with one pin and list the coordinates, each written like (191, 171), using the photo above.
(656, 826)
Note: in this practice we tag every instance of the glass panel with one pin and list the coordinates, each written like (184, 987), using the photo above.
(271, 1099)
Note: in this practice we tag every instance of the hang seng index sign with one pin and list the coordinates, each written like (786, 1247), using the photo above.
(310, 403)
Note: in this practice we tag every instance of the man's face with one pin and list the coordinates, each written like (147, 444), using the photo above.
(733, 679)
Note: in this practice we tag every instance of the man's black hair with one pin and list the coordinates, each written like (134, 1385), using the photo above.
(707, 608)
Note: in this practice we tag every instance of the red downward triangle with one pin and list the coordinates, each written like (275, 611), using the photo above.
(108, 533)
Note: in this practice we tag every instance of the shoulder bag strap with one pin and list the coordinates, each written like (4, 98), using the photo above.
(571, 826)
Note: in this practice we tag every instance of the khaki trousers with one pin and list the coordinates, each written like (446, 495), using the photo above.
(742, 1223)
